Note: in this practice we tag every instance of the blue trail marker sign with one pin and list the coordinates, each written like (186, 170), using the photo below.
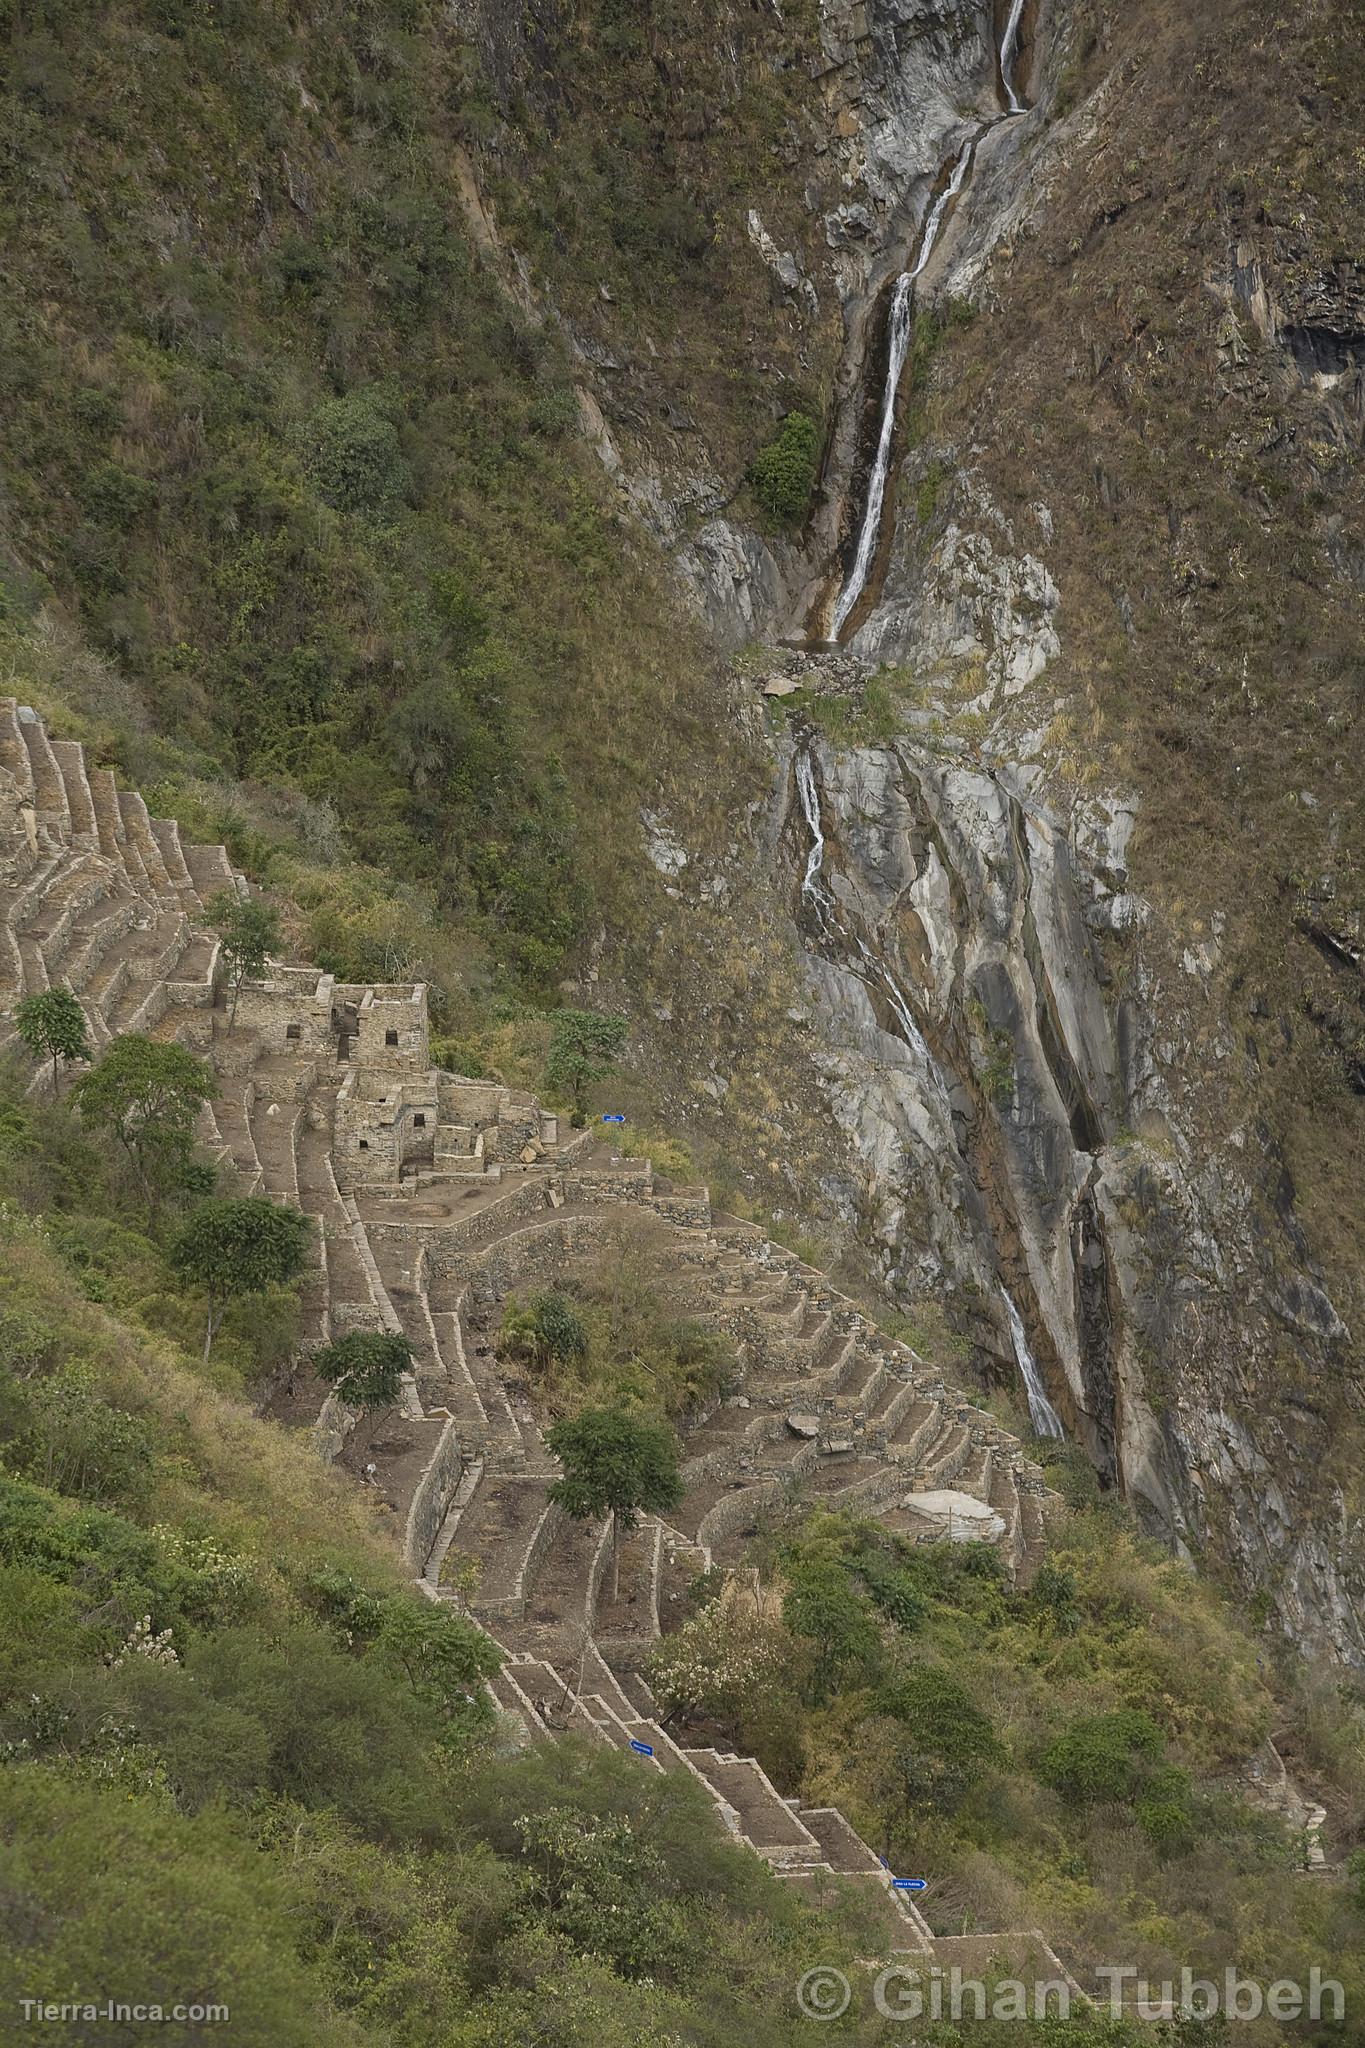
(909, 1884)
(613, 1117)
(640, 1748)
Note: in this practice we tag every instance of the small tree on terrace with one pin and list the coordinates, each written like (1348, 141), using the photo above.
(52, 1026)
(238, 1245)
(366, 1367)
(584, 1048)
(615, 1464)
(250, 931)
(147, 1096)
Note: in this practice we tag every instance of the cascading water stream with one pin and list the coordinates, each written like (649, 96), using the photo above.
(1008, 54)
(874, 974)
(900, 328)
(815, 892)
(898, 347)
(1044, 1417)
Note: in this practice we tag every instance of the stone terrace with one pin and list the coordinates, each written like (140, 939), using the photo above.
(435, 1197)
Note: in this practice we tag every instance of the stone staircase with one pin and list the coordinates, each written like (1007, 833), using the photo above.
(823, 1409)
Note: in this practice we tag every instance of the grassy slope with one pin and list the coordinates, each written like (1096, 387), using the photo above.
(312, 484)
(302, 1816)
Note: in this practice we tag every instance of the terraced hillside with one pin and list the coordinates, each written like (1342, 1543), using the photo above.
(98, 897)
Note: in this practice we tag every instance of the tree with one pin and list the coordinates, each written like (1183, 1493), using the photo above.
(366, 1367)
(147, 1095)
(615, 1464)
(584, 1047)
(52, 1025)
(236, 1245)
(783, 474)
(249, 930)
(548, 1329)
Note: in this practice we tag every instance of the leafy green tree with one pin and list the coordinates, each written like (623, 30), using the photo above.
(443, 1657)
(615, 1464)
(783, 474)
(950, 1741)
(1102, 1757)
(824, 1604)
(249, 930)
(52, 1026)
(238, 1245)
(147, 1096)
(366, 1367)
(546, 1328)
(584, 1047)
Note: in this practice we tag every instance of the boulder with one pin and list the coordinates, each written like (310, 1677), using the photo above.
(961, 1516)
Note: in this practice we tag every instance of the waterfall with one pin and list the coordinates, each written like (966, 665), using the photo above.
(813, 890)
(1044, 1417)
(1008, 53)
(898, 347)
(941, 205)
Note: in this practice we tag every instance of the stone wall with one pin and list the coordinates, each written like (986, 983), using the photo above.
(393, 1030)
(290, 1013)
(432, 1499)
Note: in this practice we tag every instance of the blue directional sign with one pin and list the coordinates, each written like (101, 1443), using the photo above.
(909, 1884)
(641, 1748)
(613, 1117)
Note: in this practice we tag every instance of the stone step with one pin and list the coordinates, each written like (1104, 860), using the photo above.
(109, 820)
(842, 1846)
(763, 1817)
(946, 1456)
(14, 755)
(232, 1108)
(210, 870)
(143, 996)
(1004, 1498)
(49, 790)
(504, 1524)
(974, 1477)
(166, 833)
(137, 827)
(70, 758)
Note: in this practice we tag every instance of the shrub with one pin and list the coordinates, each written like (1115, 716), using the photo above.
(1101, 1758)
(548, 1328)
(783, 474)
(353, 456)
(114, 497)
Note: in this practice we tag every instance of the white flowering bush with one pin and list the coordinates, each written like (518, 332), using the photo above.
(144, 1641)
(215, 1584)
(722, 1662)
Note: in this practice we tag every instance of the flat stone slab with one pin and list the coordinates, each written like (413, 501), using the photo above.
(962, 1517)
(807, 1426)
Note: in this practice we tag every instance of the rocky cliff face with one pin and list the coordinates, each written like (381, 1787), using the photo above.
(1101, 1160)
(1008, 1049)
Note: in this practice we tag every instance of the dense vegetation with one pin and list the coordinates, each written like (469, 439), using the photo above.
(1069, 1757)
(243, 1762)
(281, 444)
(301, 529)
